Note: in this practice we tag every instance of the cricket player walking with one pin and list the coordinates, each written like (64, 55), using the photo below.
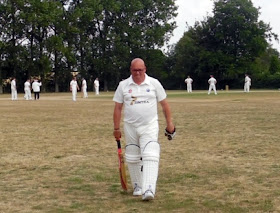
(74, 87)
(139, 94)
(212, 85)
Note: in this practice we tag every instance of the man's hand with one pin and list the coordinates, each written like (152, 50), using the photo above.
(117, 134)
(170, 135)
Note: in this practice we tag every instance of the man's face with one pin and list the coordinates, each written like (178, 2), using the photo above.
(138, 70)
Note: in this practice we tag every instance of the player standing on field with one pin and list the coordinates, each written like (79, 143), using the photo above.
(247, 83)
(84, 88)
(73, 88)
(36, 89)
(139, 94)
(189, 81)
(14, 89)
(212, 84)
(27, 90)
(96, 86)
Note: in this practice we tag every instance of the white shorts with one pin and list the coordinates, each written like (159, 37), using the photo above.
(140, 136)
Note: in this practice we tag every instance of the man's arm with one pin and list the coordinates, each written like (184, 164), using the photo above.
(167, 113)
(117, 119)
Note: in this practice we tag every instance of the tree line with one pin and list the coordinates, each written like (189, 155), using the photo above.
(229, 44)
(54, 39)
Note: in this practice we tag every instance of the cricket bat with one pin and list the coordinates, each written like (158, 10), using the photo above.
(122, 167)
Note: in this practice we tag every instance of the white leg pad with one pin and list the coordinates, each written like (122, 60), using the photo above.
(134, 164)
(150, 159)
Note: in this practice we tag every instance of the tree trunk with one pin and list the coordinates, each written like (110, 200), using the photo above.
(1, 82)
(105, 85)
(56, 87)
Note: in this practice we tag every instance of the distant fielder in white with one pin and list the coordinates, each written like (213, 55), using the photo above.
(84, 88)
(14, 89)
(74, 87)
(36, 89)
(189, 81)
(212, 84)
(27, 90)
(247, 83)
(139, 94)
(96, 86)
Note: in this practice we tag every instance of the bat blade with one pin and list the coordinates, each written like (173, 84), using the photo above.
(122, 168)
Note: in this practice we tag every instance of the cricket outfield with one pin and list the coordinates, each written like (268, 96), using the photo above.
(60, 156)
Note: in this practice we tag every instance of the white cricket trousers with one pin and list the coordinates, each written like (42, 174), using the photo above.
(212, 87)
(247, 87)
(189, 88)
(74, 94)
(27, 94)
(142, 135)
(96, 90)
(142, 145)
(85, 92)
(14, 94)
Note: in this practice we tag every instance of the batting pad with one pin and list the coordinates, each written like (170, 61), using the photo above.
(150, 156)
(151, 151)
(150, 175)
(134, 165)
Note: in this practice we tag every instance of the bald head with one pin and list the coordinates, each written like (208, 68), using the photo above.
(138, 70)
(137, 61)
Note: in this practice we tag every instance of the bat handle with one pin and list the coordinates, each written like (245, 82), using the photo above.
(118, 143)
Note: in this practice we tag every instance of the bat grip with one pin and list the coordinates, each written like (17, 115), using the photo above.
(119, 144)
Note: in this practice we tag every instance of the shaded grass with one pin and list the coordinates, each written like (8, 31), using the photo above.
(60, 156)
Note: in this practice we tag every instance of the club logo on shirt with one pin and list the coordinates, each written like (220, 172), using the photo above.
(134, 101)
(148, 90)
(130, 91)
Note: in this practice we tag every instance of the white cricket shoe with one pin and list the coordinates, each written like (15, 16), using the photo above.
(137, 191)
(148, 195)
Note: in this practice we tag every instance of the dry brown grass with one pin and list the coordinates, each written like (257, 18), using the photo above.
(60, 156)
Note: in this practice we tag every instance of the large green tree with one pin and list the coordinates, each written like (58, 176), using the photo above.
(127, 29)
(12, 51)
(225, 44)
(38, 18)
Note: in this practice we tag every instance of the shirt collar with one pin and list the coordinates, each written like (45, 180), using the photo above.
(146, 81)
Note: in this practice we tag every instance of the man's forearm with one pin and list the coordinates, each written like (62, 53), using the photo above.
(167, 114)
(117, 116)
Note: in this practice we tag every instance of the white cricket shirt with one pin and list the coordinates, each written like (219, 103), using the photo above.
(96, 83)
(74, 85)
(84, 84)
(26, 85)
(188, 80)
(13, 85)
(248, 80)
(212, 81)
(140, 101)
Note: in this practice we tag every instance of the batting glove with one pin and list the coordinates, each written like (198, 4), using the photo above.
(170, 135)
